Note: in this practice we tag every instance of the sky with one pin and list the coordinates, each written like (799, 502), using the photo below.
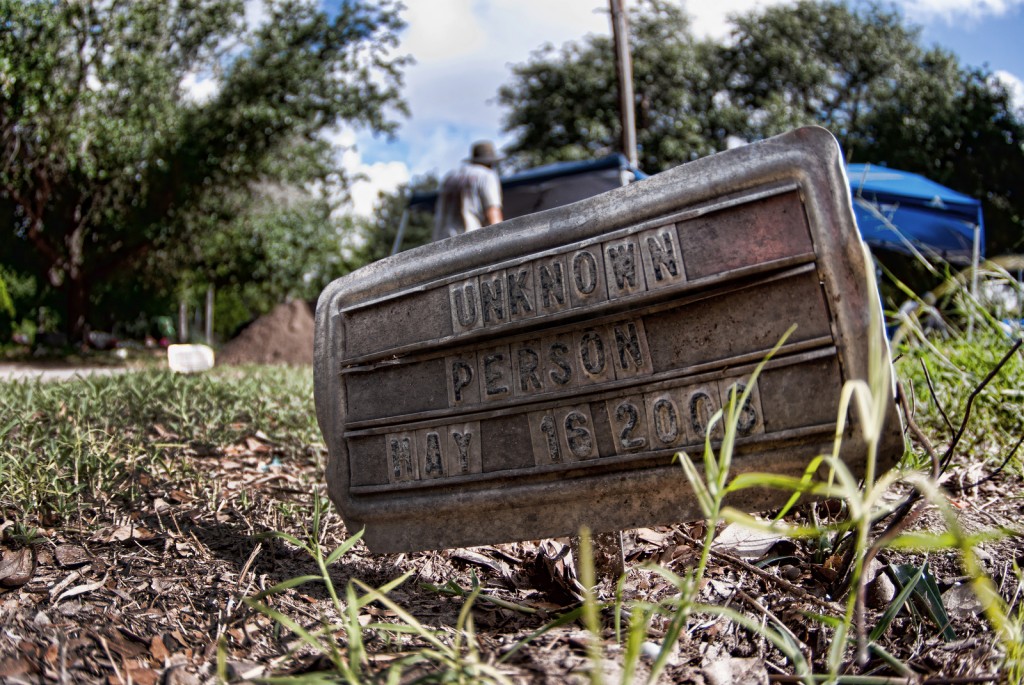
(464, 50)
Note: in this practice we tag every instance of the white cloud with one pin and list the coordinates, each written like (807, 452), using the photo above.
(367, 179)
(1013, 84)
(955, 10)
(381, 176)
(463, 50)
(197, 88)
(442, 31)
(256, 13)
(710, 19)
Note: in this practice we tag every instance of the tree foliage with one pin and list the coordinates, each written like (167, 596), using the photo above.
(108, 163)
(862, 74)
(563, 103)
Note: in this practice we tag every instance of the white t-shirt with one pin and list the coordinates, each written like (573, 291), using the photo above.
(464, 197)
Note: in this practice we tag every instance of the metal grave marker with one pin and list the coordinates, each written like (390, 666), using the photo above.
(523, 380)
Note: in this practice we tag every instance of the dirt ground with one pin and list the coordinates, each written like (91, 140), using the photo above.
(282, 336)
(155, 594)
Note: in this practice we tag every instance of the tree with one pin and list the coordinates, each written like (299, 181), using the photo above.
(106, 160)
(864, 76)
(563, 103)
(861, 74)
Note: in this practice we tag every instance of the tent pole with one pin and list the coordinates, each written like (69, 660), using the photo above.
(975, 263)
(401, 232)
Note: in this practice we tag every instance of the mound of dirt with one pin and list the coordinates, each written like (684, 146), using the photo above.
(283, 336)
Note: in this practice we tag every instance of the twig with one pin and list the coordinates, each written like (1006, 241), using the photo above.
(935, 397)
(864, 680)
(248, 564)
(890, 680)
(915, 429)
(782, 626)
(970, 403)
(761, 573)
(904, 509)
(103, 643)
(969, 486)
(891, 531)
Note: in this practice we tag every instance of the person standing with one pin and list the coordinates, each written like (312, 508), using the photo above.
(470, 196)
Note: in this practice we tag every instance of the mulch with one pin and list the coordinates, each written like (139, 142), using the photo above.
(151, 591)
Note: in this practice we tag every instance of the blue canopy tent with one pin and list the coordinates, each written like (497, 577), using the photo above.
(907, 213)
(895, 210)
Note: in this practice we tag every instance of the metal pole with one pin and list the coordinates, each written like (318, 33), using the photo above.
(182, 321)
(401, 232)
(209, 315)
(624, 69)
(975, 264)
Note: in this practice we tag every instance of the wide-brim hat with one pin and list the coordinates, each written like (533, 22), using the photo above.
(484, 153)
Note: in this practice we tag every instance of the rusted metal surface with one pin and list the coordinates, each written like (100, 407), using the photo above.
(524, 380)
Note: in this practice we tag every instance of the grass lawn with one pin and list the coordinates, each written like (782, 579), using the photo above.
(168, 528)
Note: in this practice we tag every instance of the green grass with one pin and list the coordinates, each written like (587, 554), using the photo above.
(72, 445)
(67, 449)
(954, 367)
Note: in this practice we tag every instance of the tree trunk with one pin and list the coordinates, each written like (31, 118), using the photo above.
(78, 288)
(77, 292)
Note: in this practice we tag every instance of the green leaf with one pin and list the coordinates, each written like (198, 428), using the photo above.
(895, 605)
(287, 585)
(926, 589)
(344, 547)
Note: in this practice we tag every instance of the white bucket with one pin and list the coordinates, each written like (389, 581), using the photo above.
(189, 358)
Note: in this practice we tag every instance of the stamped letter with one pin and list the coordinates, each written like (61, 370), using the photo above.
(462, 375)
(433, 465)
(497, 373)
(593, 356)
(464, 449)
(629, 423)
(662, 263)
(526, 365)
(492, 301)
(587, 278)
(664, 416)
(461, 379)
(750, 420)
(623, 270)
(520, 292)
(578, 435)
(463, 300)
(631, 354)
(561, 361)
(401, 457)
(552, 285)
(700, 403)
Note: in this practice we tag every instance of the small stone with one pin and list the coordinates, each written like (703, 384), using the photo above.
(650, 650)
(71, 556)
(245, 670)
(732, 670)
(179, 676)
(17, 567)
(41, 619)
(879, 592)
(961, 602)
